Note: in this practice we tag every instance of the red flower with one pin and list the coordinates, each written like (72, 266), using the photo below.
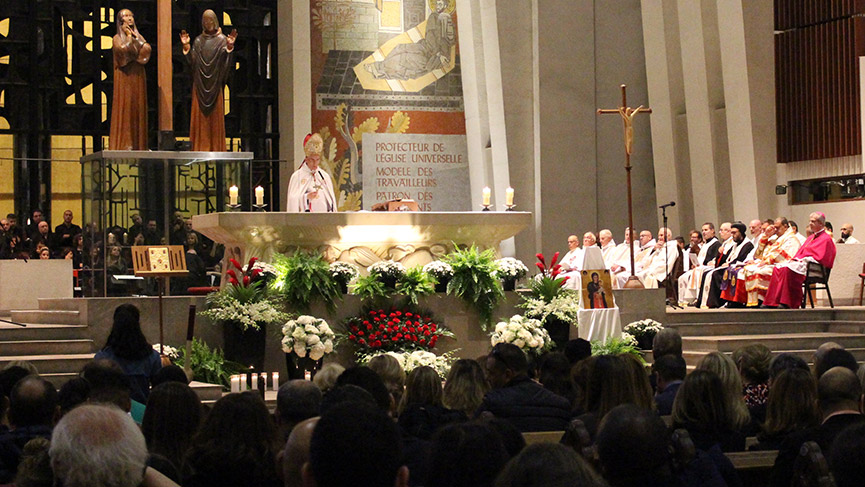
(541, 258)
(541, 267)
(352, 337)
(365, 322)
(233, 281)
(251, 263)
(236, 264)
(555, 258)
(360, 333)
(362, 341)
(408, 313)
(231, 273)
(377, 343)
(256, 272)
(246, 280)
(394, 339)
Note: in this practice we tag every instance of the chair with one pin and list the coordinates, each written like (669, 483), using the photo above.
(861, 284)
(811, 469)
(816, 276)
(533, 437)
(577, 437)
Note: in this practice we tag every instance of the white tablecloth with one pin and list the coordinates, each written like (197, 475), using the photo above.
(599, 324)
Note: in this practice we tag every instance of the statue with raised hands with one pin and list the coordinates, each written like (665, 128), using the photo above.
(129, 101)
(210, 57)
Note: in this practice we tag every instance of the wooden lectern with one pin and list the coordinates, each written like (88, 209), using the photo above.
(159, 261)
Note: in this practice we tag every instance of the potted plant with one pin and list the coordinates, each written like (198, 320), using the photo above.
(440, 271)
(388, 272)
(305, 341)
(550, 302)
(304, 277)
(208, 365)
(343, 273)
(415, 283)
(643, 332)
(617, 346)
(510, 270)
(244, 308)
(474, 281)
(526, 333)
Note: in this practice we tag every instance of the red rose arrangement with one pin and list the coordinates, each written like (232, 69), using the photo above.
(393, 331)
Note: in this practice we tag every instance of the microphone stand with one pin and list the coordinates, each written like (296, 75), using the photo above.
(667, 284)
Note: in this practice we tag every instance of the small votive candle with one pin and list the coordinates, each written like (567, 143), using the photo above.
(235, 383)
(232, 195)
(509, 196)
(259, 195)
(244, 384)
(255, 381)
(275, 376)
(486, 195)
(307, 375)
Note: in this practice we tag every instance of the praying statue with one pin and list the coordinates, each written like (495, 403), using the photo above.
(410, 61)
(129, 101)
(210, 57)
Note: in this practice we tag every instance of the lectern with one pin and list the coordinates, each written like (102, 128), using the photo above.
(159, 261)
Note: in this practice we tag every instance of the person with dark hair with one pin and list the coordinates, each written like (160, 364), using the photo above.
(109, 384)
(421, 412)
(783, 362)
(611, 382)
(517, 398)
(72, 394)
(512, 439)
(171, 419)
(465, 387)
(548, 465)
(670, 371)
(711, 291)
(169, 373)
(391, 372)
(702, 407)
(792, 407)
(836, 357)
(236, 445)
(355, 444)
(577, 349)
(668, 341)
(466, 455)
(839, 397)
(127, 346)
(554, 374)
(365, 378)
(8, 378)
(32, 410)
(753, 364)
(343, 394)
(847, 457)
(296, 401)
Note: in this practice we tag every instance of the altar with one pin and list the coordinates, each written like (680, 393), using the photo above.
(361, 238)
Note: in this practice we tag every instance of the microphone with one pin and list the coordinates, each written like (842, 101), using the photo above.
(672, 203)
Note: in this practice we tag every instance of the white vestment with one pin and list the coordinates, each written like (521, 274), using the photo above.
(729, 256)
(690, 280)
(305, 181)
(571, 264)
(851, 240)
(658, 265)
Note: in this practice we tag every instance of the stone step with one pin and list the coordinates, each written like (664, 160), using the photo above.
(775, 342)
(58, 378)
(689, 315)
(692, 357)
(757, 328)
(59, 304)
(53, 364)
(40, 332)
(63, 317)
(53, 347)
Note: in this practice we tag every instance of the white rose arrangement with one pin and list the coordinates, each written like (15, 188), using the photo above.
(168, 351)
(307, 335)
(526, 333)
(439, 270)
(511, 269)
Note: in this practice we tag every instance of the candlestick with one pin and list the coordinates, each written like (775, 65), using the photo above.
(486, 193)
(259, 196)
(232, 196)
(275, 376)
(509, 197)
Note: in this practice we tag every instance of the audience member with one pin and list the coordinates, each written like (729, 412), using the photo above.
(554, 374)
(466, 455)
(465, 387)
(783, 362)
(171, 419)
(343, 394)
(667, 341)
(724, 367)
(127, 346)
(296, 452)
(43, 236)
(35, 467)
(236, 445)
(578, 349)
(66, 230)
(836, 357)
(702, 407)
(421, 412)
(8, 378)
(839, 395)
(72, 394)
(365, 378)
(847, 457)
(97, 445)
(32, 410)
(511, 437)
(109, 384)
(169, 373)
(791, 408)
(391, 372)
(517, 398)
(610, 383)
(297, 400)
(641, 388)
(669, 371)
(753, 364)
(355, 444)
(325, 378)
(548, 465)
(580, 381)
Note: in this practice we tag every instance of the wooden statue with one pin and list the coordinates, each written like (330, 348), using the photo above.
(211, 61)
(129, 101)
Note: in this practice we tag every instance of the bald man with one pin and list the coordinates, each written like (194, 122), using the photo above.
(847, 235)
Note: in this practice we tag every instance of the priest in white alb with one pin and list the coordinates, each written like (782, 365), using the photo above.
(659, 263)
(310, 189)
(608, 246)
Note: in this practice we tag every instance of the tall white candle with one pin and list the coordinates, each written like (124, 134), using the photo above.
(509, 196)
(232, 195)
(235, 383)
(259, 195)
(244, 385)
(255, 381)
(275, 376)
(486, 196)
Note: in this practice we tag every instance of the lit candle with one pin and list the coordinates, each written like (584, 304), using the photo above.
(275, 376)
(509, 196)
(235, 383)
(255, 381)
(307, 375)
(259, 196)
(263, 378)
(244, 385)
(486, 196)
(232, 195)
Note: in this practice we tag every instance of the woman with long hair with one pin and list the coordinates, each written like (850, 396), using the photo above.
(792, 407)
(127, 346)
(391, 372)
(724, 367)
(421, 412)
(702, 407)
(171, 419)
(465, 387)
(236, 445)
(612, 381)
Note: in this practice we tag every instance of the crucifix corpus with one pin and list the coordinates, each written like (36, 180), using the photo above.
(628, 115)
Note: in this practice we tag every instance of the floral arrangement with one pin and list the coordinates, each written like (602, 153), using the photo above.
(474, 281)
(547, 285)
(264, 269)
(511, 269)
(565, 307)
(393, 331)
(307, 335)
(439, 270)
(526, 333)
(387, 269)
(642, 332)
(245, 302)
(343, 271)
(303, 278)
(617, 346)
(419, 358)
(167, 350)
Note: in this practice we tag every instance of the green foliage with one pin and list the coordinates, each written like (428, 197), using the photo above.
(209, 365)
(546, 288)
(304, 277)
(474, 280)
(246, 294)
(371, 290)
(414, 284)
(616, 346)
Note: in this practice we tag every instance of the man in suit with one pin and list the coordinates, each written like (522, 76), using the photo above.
(669, 372)
(840, 398)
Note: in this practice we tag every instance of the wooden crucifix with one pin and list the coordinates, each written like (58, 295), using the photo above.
(628, 115)
(164, 75)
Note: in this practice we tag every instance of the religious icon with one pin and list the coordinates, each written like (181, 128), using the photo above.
(129, 100)
(210, 57)
(597, 289)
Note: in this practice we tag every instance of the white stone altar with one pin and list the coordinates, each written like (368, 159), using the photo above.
(362, 238)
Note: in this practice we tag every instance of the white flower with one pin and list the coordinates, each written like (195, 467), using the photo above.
(510, 268)
(387, 268)
(311, 329)
(305, 320)
(312, 340)
(324, 329)
(300, 349)
(298, 333)
(328, 346)
(439, 269)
